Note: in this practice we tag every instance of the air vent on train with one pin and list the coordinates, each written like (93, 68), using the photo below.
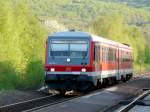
(72, 30)
(126, 44)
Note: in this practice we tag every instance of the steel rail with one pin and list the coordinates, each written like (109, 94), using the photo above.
(50, 104)
(132, 104)
(9, 106)
(60, 101)
(27, 102)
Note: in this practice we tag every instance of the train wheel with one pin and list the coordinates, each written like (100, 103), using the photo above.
(45, 89)
(62, 92)
(124, 79)
(113, 80)
(109, 81)
(99, 84)
(116, 81)
(129, 76)
(105, 82)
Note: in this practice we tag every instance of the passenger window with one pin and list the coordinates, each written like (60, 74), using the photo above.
(97, 53)
(103, 54)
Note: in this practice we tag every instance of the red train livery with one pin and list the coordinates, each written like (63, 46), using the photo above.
(79, 60)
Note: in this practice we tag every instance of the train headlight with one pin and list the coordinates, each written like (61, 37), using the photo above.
(83, 70)
(52, 69)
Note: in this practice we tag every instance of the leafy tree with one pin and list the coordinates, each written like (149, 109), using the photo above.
(114, 27)
(22, 41)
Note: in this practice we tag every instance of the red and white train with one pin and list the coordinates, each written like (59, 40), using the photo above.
(79, 60)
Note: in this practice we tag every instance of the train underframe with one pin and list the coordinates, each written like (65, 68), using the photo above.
(82, 83)
(69, 82)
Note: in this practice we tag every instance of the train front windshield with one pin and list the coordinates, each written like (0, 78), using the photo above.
(73, 49)
(76, 49)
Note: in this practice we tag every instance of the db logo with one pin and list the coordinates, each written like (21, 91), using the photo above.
(68, 69)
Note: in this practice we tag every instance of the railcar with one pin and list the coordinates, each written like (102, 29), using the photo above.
(79, 60)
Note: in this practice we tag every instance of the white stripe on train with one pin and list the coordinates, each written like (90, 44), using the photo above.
(102, 74)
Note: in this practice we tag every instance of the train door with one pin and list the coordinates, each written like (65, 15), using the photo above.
(97, 57)
(97, 63)
(118, 63)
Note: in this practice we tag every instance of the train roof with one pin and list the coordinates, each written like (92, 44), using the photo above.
(95, 38)
(71, 34)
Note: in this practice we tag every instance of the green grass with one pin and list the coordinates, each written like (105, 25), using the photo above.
(141, 68)
(8, 78)
(33, 77)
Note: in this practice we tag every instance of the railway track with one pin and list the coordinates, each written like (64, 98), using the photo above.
(50, 104)
(137, 101)
(38, 103)
(42, 102)
(34, 104)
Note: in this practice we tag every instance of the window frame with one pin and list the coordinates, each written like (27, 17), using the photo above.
(67, 42)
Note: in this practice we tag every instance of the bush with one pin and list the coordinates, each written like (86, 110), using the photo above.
(22, 40)
(8, 78)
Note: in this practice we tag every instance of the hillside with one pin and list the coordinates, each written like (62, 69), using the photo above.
(135, 3)
(78, 13)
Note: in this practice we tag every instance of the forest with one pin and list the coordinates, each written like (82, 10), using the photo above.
(23, 34)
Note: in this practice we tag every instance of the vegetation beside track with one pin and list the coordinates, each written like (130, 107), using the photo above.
(22, 40)
(22, 36)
